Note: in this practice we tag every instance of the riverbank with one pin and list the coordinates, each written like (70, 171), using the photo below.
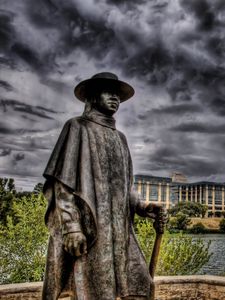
(209, 223)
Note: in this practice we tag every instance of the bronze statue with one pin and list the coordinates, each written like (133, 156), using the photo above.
(93, 252)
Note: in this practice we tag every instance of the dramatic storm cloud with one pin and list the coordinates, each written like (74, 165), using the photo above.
(171, 52)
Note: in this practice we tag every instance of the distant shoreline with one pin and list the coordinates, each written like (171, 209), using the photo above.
(209, 223)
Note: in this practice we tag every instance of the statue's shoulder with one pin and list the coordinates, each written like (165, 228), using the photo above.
(74, 122)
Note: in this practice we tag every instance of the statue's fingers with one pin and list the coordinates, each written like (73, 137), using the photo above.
(66, 248)
(162, 214)
(165, 214)
(78, 250)
(151, 215)
(161, 225)
(83, 247)
(70, 247)
(163, 217)
(164, 220)
(65, 245)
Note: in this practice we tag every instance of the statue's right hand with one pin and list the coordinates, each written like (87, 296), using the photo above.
(75, 243)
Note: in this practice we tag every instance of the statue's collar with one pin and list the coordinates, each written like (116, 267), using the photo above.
(100, 118)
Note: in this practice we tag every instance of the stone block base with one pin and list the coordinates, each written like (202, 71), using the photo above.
(167, 288)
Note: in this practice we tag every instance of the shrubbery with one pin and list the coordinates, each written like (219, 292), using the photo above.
(198, 228)
(179, 255)
(180, 222)
(222, 225)
(23, 240)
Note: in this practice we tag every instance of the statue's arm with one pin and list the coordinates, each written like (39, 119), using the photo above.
(150, 210)
(74, 240)
(138, 205)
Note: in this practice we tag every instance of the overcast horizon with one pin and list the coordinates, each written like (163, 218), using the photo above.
(171, 52)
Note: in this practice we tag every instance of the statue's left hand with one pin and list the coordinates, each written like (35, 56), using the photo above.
(158, 213)
(75, 243)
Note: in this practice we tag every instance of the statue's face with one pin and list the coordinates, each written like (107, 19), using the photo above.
(108, 102)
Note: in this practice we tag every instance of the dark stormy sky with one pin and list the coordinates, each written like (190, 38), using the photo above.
(172, 52)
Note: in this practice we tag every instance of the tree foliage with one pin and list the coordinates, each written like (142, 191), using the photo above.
(180, 222)
(191, 209)
(38, 188)
(179, 255)
(7, 185)
(7, 195)
(222, 225)
(198, 228)
(23, 241)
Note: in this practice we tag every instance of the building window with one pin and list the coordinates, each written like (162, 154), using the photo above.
(218, 195)
(183, 196)
(204, 195)
(143, 190)
(174, 194)
(218, 208)
(163, 193)
(210, 195)
(154, 192)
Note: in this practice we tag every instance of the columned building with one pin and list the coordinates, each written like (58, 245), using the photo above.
(156, 189)
(170, 190)
(209, 193)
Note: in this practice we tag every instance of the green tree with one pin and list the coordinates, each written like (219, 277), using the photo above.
(180, 222)
(203, 209)
(198, 228)
(23, 244)
(179, 255)
(7, 185)
(222, 225)
(7, 195)
(38, 188)
(11, 185)
(145, 233)
(192, 209)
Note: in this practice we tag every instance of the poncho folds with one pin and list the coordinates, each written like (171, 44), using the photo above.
(92, 159)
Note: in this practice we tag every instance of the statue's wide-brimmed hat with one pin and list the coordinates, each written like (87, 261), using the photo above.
(101, 82)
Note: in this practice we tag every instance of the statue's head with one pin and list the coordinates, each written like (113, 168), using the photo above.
(104, 92)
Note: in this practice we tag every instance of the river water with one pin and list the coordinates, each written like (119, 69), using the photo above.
(216, 264)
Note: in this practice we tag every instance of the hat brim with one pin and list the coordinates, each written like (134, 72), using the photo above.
(84, 88)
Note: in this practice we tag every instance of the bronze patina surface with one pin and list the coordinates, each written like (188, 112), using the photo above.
(93, 252)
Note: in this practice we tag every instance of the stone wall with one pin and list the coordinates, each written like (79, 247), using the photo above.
(167, 288)
(21, 291)
(198, 287)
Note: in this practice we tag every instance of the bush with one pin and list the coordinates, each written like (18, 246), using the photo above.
(179, 255)
(24, 242)
(182, 255)
(7, 194)
(180, 222)
(197, 228)
(222, 225)
(145, 233)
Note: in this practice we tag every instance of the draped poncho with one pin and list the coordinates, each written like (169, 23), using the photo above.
(92, 159)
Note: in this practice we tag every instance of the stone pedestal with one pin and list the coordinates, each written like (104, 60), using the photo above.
(198, 287)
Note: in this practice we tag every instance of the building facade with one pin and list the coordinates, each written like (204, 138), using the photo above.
(170, 190)
(209, 193)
